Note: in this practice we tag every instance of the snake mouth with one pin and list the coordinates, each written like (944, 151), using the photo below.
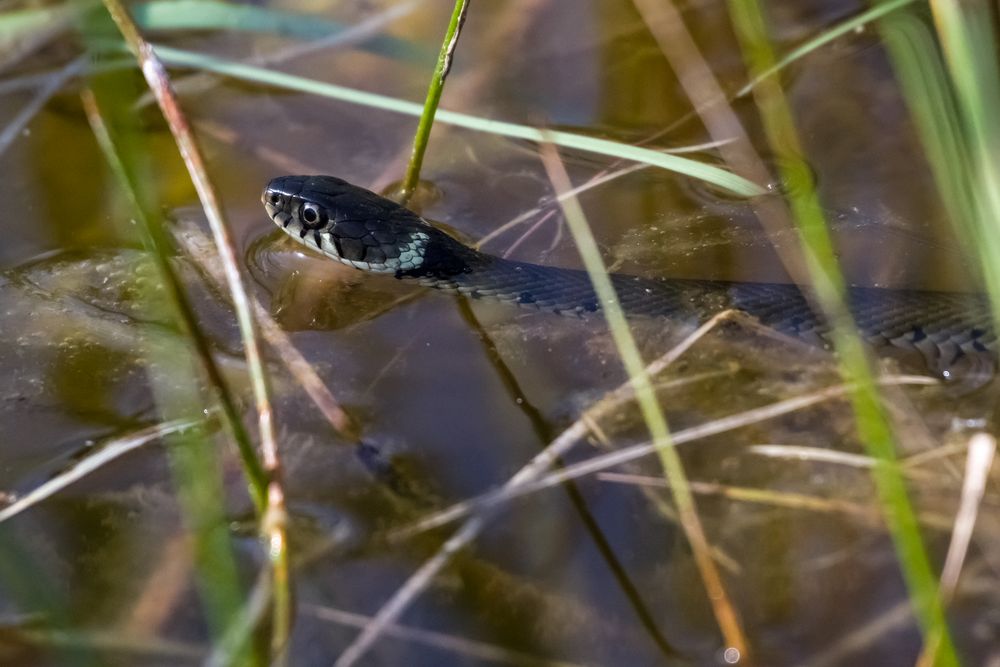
(278, 216)
(281, 218)
(271, 210)
(274, 207)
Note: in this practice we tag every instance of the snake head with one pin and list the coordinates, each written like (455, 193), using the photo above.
(352, 225)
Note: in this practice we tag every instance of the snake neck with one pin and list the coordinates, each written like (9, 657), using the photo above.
(445, 262)
(451, 266)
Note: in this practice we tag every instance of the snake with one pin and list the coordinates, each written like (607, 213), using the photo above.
(950, 333)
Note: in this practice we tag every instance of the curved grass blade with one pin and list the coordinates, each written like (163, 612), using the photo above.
(710, 174)
(969, 44)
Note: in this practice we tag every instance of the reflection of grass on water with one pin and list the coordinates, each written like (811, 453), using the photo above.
(955, 101)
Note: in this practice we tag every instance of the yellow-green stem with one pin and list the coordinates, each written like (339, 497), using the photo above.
(656, 421)
(433, 98)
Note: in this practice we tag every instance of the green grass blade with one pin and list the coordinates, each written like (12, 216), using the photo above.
(197, 470)
(828, 286)
(928, 93)
(687, 167)
(970, 47)
(17, 24)
(877, 12)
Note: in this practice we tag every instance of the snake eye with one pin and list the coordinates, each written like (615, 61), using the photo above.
(312, 215)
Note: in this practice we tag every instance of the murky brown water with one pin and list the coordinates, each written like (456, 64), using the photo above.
(453, 401)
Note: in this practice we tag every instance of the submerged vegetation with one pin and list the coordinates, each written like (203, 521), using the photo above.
(317, 432)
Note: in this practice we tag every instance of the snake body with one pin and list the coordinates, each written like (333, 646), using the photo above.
(952, 333)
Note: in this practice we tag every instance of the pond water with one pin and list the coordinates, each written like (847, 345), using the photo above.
(452, 398)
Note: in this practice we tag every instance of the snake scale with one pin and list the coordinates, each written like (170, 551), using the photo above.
(951, 332)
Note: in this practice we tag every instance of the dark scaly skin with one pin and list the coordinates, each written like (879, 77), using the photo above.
(952, 333)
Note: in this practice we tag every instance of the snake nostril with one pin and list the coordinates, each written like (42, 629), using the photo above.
(274, 198)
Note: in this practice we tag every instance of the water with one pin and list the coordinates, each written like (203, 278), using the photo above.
(453, 401)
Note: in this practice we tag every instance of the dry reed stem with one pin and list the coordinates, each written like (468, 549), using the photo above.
(712, 105)
(97, 459)
(799, 501)
(274, 517)
(982, 449)
(870, 516)
(159, 82)
(605, 461)
(847, 459)
(867, 633)
(199, 249)
(168, 581)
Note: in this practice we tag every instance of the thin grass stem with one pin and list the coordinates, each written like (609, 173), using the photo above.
(51, 84)
(160, 251)
(530, 479)
(196, 245)
(982, 450)
(434, 90)
(542, 462)
(725, 612)
(459, 646)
